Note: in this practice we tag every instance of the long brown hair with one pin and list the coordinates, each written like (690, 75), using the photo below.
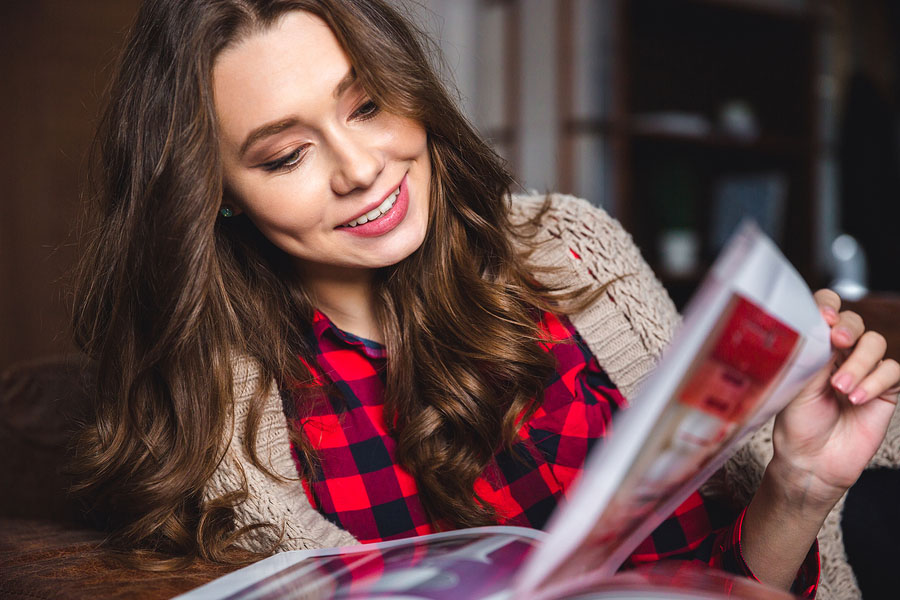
(167, 293)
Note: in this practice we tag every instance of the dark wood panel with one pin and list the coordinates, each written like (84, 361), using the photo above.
(55, 58)
(880, 312)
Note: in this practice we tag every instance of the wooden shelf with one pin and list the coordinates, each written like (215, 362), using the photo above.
(685, 61)
(771, 10)
(765, 144)
(768, 143)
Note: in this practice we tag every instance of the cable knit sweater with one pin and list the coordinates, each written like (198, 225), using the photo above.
(626, 328)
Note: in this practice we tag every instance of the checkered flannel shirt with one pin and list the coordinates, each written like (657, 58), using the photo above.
(357, 484)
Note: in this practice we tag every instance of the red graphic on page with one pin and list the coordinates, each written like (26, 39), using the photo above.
(747, 356)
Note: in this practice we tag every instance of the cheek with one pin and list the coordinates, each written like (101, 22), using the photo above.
(293, 220)
(285, 212)
(419, 141)
(408, 136)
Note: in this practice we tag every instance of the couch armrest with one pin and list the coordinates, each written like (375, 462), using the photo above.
(41, 404)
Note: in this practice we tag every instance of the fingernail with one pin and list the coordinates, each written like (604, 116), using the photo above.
(829, 312)
(843, 382)
(857, 396)
(843, 334)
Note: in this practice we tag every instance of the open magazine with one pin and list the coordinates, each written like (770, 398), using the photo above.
(751, 336)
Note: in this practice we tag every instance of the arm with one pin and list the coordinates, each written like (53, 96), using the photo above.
(296, 525)
(638, 309)
(712, 532)
(822, 440)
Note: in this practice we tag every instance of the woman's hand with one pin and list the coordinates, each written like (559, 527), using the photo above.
(823, 440)
(825, 437)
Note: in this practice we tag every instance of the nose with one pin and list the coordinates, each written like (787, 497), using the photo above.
(358, 162)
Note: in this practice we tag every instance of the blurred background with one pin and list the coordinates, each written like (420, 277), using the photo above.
(679, 117)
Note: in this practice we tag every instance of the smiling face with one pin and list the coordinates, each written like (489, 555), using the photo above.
(322, 172)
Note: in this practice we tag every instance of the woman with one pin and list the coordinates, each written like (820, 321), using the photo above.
(304, 250)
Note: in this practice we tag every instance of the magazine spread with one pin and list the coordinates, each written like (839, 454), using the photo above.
(751, 337)
(470, 563)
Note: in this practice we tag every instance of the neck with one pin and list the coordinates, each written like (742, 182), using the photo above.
(347, 297)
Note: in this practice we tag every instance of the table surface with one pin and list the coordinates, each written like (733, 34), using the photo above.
(43, 559)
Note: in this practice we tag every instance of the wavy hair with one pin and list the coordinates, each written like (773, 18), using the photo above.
(166, 293)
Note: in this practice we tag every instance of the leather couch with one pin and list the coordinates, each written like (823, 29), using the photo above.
(47, 549)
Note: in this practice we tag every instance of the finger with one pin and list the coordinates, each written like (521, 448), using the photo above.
(891, 396)
(862, 360)
(875, 415)
(829, 304)
(848, 329)
(878, 383)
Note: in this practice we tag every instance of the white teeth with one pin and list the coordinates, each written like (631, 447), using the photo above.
(376, 212)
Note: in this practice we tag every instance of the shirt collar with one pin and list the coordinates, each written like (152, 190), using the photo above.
(323, 326)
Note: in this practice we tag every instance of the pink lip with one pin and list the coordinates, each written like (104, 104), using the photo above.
(388, 220)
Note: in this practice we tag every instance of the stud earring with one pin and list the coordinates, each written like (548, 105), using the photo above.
(226, 212)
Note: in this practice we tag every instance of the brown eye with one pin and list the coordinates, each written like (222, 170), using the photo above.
(367, 110)
(292, 159)
(286, 163)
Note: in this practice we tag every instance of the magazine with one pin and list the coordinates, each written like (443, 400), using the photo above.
(751, 337)
(478, 563)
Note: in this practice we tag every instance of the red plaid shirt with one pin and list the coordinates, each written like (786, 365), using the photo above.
(358, 485)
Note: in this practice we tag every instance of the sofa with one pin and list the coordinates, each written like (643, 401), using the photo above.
(47, 548)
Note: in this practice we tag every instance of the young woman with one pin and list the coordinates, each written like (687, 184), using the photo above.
(319, 317)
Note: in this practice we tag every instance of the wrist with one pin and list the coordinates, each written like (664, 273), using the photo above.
(799, 489)
(780, 526)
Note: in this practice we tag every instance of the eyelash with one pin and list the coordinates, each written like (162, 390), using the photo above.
(290, 162)
(286, 163)
(368, 110)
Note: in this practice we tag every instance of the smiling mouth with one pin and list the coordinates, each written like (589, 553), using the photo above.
(375, 212)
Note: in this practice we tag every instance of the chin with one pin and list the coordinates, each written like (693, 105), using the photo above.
(397, 257)
(404, 248)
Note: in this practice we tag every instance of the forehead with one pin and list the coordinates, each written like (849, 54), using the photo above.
(271, 72)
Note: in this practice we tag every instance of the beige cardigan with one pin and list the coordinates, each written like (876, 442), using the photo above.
(626, 329)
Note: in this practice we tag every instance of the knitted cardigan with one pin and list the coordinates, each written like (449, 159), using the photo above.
(626, 328)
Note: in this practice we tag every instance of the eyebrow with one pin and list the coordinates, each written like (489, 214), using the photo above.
(276, 127)
(348, 80)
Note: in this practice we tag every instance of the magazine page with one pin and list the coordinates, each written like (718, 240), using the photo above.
(751, 337)
(673, 580)
(469, 563)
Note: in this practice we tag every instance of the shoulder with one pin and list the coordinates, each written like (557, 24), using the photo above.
(580, 224)
(573, 244)
(525, 206)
